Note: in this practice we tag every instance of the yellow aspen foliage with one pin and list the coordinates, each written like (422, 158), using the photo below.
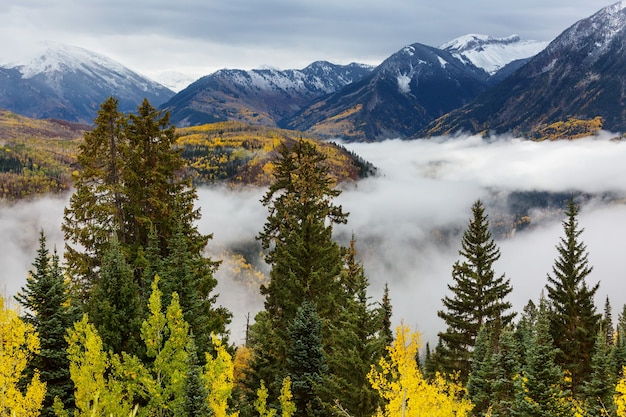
(620, 394)
(260, 404)
(400, 383)
(88, 363)
(286, 399)
(218, 379)
(104, 384)
(18, 342)
(166, 337)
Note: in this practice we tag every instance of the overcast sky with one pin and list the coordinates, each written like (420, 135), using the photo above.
(198, 37)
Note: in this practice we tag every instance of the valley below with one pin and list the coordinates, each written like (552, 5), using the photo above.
(408, 220)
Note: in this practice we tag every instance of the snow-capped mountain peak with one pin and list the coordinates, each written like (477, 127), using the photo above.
(49, 57)
(55, 80)
(491, 53)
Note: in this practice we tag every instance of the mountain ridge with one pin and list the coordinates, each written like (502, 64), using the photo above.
(579, 77)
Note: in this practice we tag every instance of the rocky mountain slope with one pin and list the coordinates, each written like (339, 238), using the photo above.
(578, 81)
(414, 86)
(260, 96)
(64, 82)
(404, 93)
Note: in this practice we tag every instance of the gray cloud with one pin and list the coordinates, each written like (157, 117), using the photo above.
(199, 37)
(408, 221)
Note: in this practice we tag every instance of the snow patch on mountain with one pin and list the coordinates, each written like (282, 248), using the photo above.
(404, 83)
(491, 53)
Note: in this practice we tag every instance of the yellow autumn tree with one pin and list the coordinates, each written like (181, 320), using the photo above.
(400, 383)
(18, 343)
(620, 395)
(98, 376)
(218, 379)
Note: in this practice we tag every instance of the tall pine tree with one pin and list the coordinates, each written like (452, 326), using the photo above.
(46, 302)
(95, 208)
(574, 321)
(478, 297)
(306, 262)
(131, 189)
(356, 339)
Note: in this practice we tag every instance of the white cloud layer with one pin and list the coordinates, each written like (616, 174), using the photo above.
(408, 221)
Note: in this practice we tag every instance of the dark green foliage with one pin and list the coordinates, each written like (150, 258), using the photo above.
(306, 361)
(114, 306)
(481, 375)
(306, 262)
(298, 234)
(94, 213)
(131, 189)
(599, 389)
(195, 404)
(356, 341)
(495, 367)
(619, 350)
(191, 277)
(429, 367)
(607, 323)
(574, 322)
(538, 389)
(386, 311)
(478, 296)
(46, 300)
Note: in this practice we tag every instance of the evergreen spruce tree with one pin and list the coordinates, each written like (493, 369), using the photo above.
(355, 342)
(131, 189)
(495, 367)
(386, 312)
(574, 322)
(478, 296)
(46, 302)
(191, 277)
(538, 390)
(114, 307)
(599, 389)
(157, 197)
(430, 367)
(618, 353)
(607, 323)
(195, 392)
(482, 373)
(306, 263)
(525, 328)
(306, 361)
(506, 369)
(95, 209)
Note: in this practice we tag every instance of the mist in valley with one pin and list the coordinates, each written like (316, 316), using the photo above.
(408, 221)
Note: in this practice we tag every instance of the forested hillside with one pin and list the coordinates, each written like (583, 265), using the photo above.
(38, 157)
(129, 324)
